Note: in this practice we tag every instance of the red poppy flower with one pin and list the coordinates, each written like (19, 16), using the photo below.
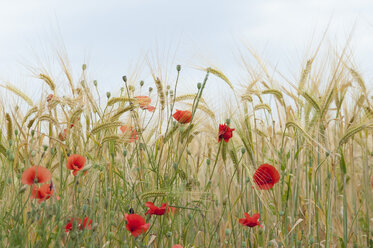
(131, 132)
(172, 210)
(75, 163)
(35, 174)
(225, 132)
(144, 103)
(266, 176)
(136, 224)
(82, 224)
(154, 209)
(43, 193)
(183, 116)
(177, 246)
(250, 221)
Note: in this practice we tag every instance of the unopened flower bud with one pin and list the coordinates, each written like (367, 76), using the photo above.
(124, 79)
(178, 67)
(84, 66)
(141, 83)
(199, 85)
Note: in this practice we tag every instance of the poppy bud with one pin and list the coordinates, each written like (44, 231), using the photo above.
(175, 166)
(141, 83)
(108, 94)
(32, 133)
(23, 189)
(243, 150)
(84, 66)
(169, 234)
(95, 83)
(16, 132)
(124, 79)
(124, 152)
(178, 67)
(85, 207)
(45, 147)
(208, 161)
(131, 88)
(168, 87)
(228, 121)
(150, 89)
(199, 85)
(227, 232)
(10, 142)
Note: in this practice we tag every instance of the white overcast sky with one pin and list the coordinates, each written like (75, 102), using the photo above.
(112, 35)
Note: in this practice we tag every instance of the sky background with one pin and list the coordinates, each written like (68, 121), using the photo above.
(113, 37)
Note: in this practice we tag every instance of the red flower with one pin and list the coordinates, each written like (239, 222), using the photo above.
(250, 221)
(266, 176)
(144, 102)
(183, 116)
(155, 210)
(75, 163)
(225, 132)
(136, 224)
(130, 131)
(177, 246)
(81, 225)
(43, 193)
(35, 174)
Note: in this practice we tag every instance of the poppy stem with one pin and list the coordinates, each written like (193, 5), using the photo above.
(214, 166)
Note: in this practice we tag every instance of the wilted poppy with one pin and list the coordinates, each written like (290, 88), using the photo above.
(35, 174)
(43, 193)
(136, 224)
(225, 132)
(82, 224)
(75, 162)
(250, 221)
(144, 102)
(131, 132)
(49, 97)
(183, 116)
(266, 176)
(154, 209)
